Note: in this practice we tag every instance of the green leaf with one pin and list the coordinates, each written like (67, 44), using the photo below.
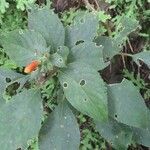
(103, 17)
(85, 90)
(22, 4)
(60, 131)
(88, 53)
(20, 120)
(44, 21)
(118, 135)
(24, 46)
(12, 75)
(59, 58)
(127, 106)
(83, 29)
(142, 136)
(113, 46)
(143, 56)
(110, 47)
(125, 26)
(3, 5)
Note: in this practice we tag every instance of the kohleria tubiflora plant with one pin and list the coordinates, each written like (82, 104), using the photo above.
(72, 57)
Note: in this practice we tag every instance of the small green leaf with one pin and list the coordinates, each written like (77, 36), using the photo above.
(113, 46)
(143, 56)
(110, 47)
(118, 135)
(10, 74)
(3, 5)
(88, 53)
(124, 27)
(83, 29)
(127, 106)
(22, 4)
(60, 131)
(102, 16)
(20, 120)
(59, 58)
(85, 90)
(24, 46)
(44, 21)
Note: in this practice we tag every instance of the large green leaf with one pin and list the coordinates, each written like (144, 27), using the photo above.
(20, 120)
(24, 46)
(88, 53)
(143, 56)
(127, 106)
(60, 131)
(83, 29)
(48, 24)
(85, 90)
(119, 135)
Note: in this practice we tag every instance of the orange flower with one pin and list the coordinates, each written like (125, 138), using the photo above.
(32, 66)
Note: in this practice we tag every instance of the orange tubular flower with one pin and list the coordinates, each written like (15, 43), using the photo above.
(32, 66)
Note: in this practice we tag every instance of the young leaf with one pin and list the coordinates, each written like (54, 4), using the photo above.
(59, 58)
(44, 21)
(85, 90)
(88, 53)
(60, 131)
(83, 29)
(117, 134)
(24, 46)
(127, 106)
(143, 56)
(20, 120)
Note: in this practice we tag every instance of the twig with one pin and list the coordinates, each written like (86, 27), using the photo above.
(97, 5)
(123, 60)
(130, 45)
(89, 5)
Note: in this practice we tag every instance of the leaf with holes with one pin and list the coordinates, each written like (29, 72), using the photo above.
(88, 53)
(60, 131)
(8, 74)
(125, 26)
(59, 59)
(83, 29)
(127, 106)
(85, 90)
(20, 120)
(112, 46)
(44, 21)
(24, 46)
(143, 56)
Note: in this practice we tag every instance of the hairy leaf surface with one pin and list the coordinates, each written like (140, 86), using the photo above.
(20, 120)
(44, 21)
(60, 131)
(24, 46)
(85, 90)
